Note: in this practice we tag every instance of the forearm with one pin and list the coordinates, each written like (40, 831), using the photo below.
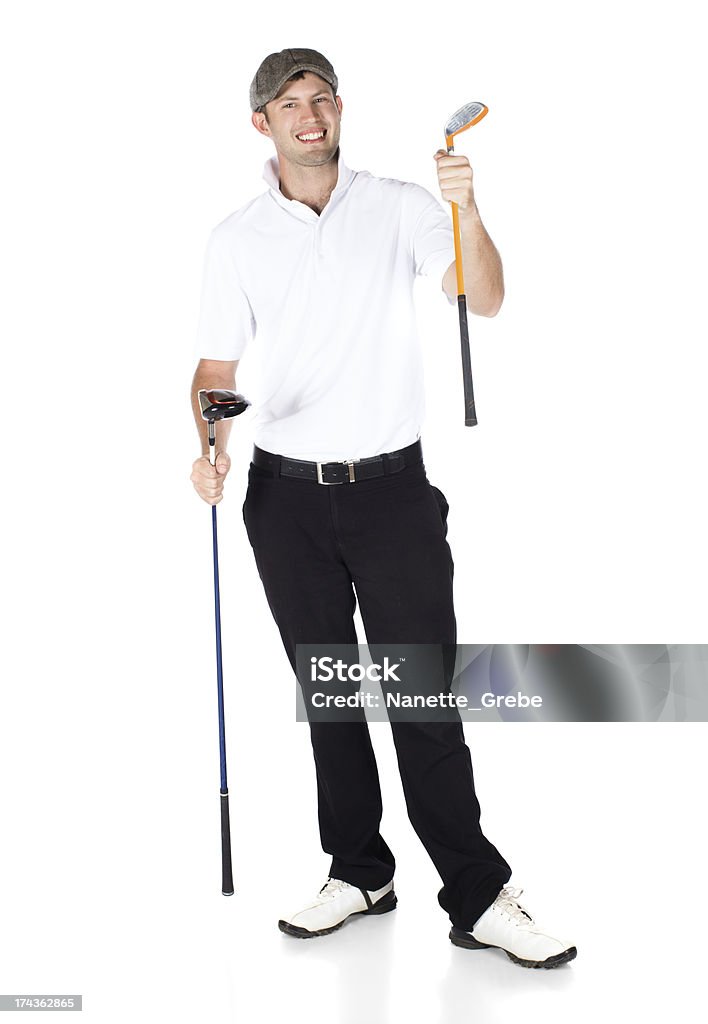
(481, 263)
(208, 379)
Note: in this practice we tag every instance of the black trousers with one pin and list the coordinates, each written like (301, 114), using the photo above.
(319, 548)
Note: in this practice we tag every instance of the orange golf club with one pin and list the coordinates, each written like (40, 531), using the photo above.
(460, 121)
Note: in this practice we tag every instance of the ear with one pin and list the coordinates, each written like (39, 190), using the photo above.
(338, 101)
(258, 120)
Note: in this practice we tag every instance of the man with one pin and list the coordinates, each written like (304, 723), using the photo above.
(320, 269)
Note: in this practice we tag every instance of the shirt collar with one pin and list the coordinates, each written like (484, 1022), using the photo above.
(271, 175)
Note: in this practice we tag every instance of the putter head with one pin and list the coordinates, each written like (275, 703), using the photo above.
(221, 405)
(464, 118)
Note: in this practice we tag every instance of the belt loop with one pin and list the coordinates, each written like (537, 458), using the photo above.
(394, 463)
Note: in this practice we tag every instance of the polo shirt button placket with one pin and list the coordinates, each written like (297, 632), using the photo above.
(318, 242)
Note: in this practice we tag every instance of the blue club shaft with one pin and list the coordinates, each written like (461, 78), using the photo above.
(227, 883)
(219, 663)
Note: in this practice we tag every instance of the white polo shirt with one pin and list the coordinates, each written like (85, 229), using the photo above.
(325, 303)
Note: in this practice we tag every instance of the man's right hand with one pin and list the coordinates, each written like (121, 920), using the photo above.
(208, 480)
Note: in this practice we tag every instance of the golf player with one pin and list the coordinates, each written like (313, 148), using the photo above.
(316, 275)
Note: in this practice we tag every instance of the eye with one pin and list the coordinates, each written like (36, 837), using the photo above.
(288, 105)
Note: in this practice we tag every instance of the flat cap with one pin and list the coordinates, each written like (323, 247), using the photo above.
(277, 68)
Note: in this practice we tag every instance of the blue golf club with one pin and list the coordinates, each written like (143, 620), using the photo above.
(220, 405)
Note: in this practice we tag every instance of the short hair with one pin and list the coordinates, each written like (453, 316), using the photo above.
(293, 78)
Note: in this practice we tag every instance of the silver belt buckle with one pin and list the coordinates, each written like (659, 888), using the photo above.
(327, 483)
(331, 483)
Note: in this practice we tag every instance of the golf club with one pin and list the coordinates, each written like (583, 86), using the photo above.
(460, 121)
(220, 405)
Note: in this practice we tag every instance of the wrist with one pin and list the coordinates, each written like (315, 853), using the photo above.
(470, 213)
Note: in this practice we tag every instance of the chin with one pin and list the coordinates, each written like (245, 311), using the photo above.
(316, 159)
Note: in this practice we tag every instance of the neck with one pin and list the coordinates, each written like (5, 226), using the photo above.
(309, 185)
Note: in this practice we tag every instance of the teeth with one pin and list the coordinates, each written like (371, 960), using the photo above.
(311, 135)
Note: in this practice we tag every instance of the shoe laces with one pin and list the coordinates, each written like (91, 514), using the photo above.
(332, 888)
(507, 900)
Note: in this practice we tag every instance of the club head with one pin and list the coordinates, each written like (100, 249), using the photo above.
(221, 405)
(464, 118)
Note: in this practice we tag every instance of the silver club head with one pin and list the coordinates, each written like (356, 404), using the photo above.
(219, 404)
(464, 118)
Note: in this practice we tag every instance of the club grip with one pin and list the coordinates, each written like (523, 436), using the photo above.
(227, 878)
(470, 413)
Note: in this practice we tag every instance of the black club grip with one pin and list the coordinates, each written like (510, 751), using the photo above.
(227, 878)
(470, 413)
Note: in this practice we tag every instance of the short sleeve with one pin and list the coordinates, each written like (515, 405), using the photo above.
(430, 227)
(226, 322)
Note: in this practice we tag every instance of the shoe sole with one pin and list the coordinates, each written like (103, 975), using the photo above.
(465, 941)
(384, 905)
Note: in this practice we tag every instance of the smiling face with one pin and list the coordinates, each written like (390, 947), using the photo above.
(303, 121)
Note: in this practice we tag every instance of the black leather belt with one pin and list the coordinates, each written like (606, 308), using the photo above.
(348, 472)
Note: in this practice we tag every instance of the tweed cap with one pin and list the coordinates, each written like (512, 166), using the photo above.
(277, 68)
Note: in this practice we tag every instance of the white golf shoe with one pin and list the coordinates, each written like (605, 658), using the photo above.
(335, 902)
(506, 925)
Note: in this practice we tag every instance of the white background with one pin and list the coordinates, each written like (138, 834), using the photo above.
(577, 508)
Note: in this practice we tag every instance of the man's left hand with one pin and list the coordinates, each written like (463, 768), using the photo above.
(455, 179)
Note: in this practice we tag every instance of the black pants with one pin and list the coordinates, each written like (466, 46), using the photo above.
(385, 539)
